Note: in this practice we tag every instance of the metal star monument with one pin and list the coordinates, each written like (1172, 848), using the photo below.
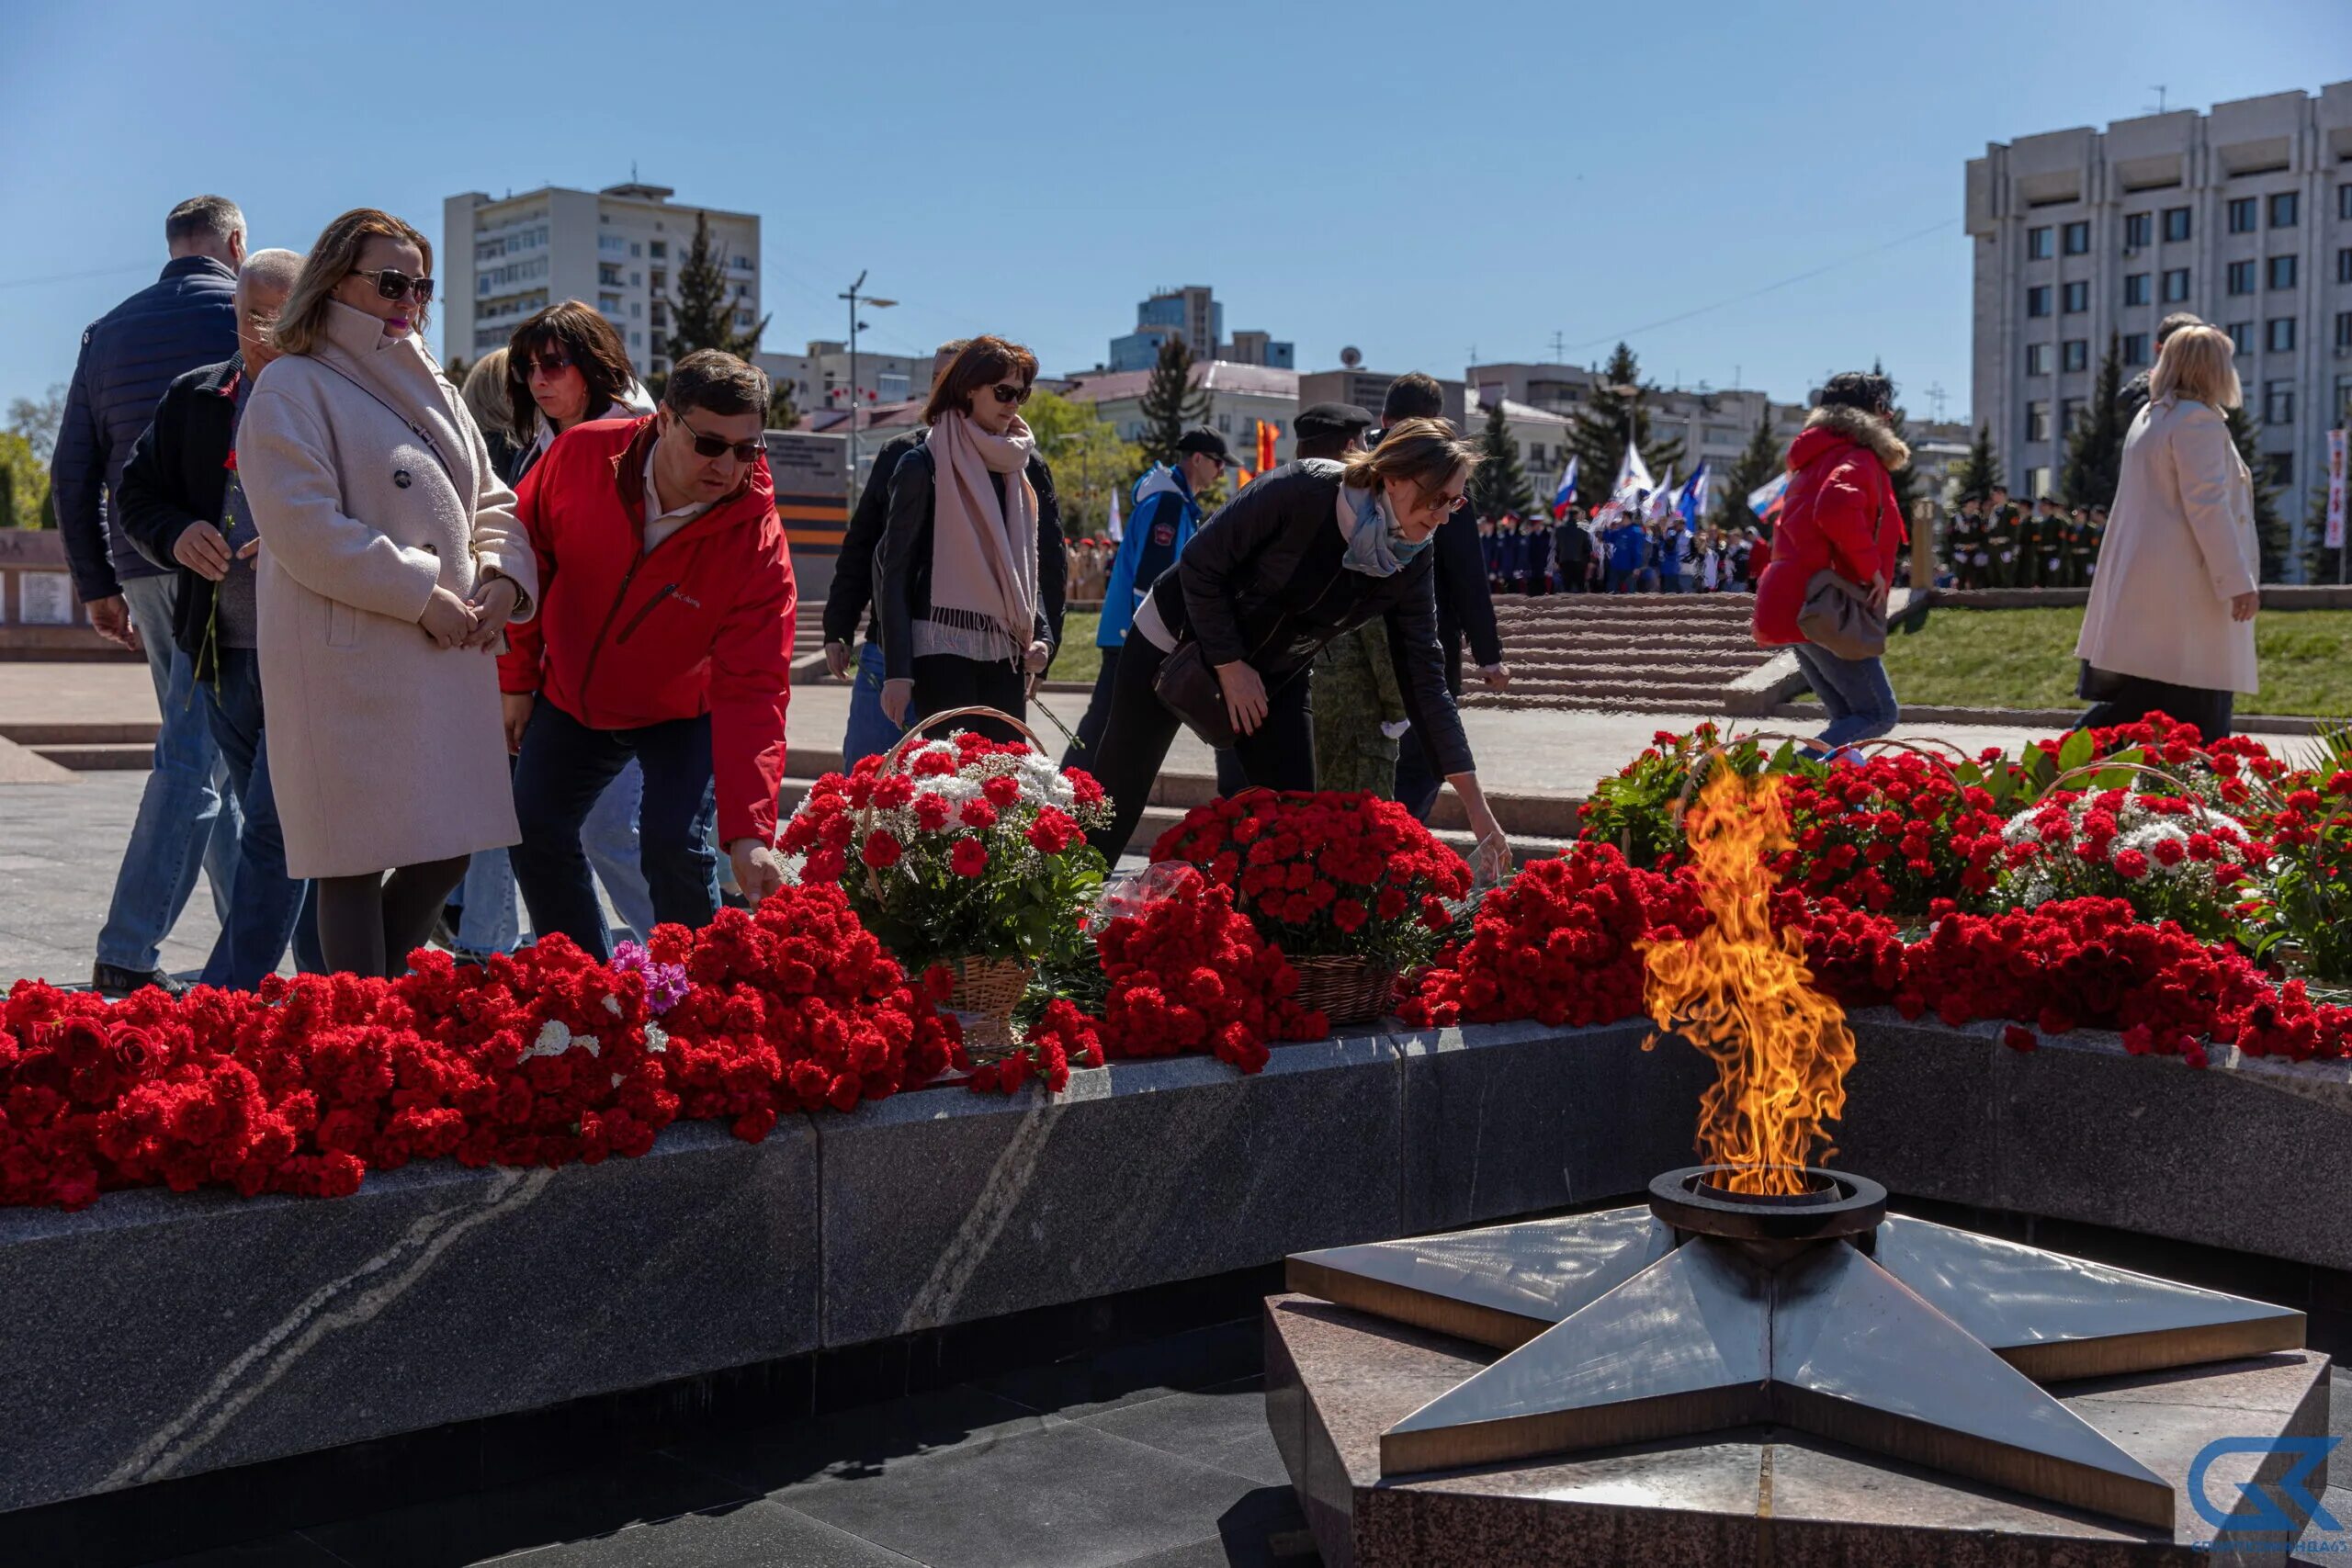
(1708, 1310)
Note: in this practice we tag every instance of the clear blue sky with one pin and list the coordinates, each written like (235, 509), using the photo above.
(1413, 179)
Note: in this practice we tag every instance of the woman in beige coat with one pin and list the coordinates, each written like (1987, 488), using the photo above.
(390, 563)
(2170, 627)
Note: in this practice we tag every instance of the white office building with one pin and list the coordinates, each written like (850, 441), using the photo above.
(2241, 214)
(618, 249)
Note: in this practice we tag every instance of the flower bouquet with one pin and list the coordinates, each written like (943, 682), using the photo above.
(962, 852)
(2171, 857)
(1349, 887)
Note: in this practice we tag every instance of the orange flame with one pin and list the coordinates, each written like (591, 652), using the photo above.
(1743, 994)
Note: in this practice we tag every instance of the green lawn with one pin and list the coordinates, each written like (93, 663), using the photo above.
(2024, 659)
(1078, 659)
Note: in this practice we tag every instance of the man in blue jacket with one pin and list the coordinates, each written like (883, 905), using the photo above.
(1164, 514)
(185, 319)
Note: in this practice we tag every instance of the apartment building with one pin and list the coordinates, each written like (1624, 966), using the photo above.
(2241, 214)
(503, 258)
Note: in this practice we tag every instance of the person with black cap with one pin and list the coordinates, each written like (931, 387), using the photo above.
(1165, 510)
(1466, 605)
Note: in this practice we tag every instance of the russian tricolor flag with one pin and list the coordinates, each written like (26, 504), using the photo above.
(1565, 496)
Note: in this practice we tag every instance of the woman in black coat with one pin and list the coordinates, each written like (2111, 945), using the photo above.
(970, 576)
(1308, 552)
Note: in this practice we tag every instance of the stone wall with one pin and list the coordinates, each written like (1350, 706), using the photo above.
(158, 1334)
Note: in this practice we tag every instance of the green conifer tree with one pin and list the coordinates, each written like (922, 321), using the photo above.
(2095, 445)
(1499, 484)
(1758, 464)
(704, 313)
(1171, 402)
(1982, 471)
(1599, 435)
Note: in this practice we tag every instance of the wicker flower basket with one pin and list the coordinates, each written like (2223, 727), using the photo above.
(987, 991)
(1344, 989)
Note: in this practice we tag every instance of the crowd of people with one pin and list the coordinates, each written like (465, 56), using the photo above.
(1991, 542)
(430, 657)
(1585, 552)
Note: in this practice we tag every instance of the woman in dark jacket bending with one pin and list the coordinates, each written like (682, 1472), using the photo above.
(1308, 552)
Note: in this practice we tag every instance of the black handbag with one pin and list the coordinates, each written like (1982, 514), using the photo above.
(1188, 688)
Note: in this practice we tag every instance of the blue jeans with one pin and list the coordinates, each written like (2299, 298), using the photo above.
(262, 914)
(565, 765)
(180, 808)
(1854, 691)
(609, 839)
(870, 732)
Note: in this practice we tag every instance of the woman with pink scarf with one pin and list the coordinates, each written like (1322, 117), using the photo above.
(968, 579)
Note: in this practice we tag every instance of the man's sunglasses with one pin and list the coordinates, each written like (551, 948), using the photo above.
(1005, 394)
(713, 447)
(391, 283)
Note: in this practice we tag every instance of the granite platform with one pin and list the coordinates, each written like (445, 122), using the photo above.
(158, 1334)
(1758, 1497)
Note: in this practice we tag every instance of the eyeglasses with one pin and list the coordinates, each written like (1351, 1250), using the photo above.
(549, 365)
(715, 447)
(1446, 503)
(1007, 393)
(393, 284)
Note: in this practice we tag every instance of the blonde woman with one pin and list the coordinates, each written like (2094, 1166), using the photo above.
(485, 396)
(2170, 625)
(390, 563)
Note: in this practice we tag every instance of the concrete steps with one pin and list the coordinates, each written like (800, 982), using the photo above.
(87, 747)
(1638, 653)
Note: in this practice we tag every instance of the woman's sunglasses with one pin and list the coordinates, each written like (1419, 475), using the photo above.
(391, 283)
(1009, 394)
(714, 447)
(547, 364)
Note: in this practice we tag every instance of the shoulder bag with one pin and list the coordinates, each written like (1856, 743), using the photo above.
(1837, 616)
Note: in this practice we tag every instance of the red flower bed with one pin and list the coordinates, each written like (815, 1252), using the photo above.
(1190, 974)
(2092, 962)
(1324, 874)
(542, 1058)
(1559, 943)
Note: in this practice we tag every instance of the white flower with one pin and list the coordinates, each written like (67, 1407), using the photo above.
(555, 1038)
(656, 1038)
(612, 1006)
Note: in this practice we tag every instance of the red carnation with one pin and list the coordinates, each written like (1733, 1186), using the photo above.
(881, 851)
(969, 858)
(930, 812)
(1002, 790)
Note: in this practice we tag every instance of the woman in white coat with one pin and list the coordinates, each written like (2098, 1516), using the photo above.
(391, 564)
(2170, 625)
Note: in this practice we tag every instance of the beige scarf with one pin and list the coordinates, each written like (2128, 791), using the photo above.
(983, 554)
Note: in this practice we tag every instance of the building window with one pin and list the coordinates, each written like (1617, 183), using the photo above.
(636, 249)
(742, 321)
(2279, 335)
(2037, 359)
(2135, 348)
(2286, 209)
(1225, 424)
(2069, 410)
(2074, 354)
(2344, 400)
(611, 244)
(2242, 336)
(2344, 202)
(659, 248)
(2344, 329)
(2176, 290)
(2037, 300)
(2246, 213)
(2279, 402)
(2139, 229)
(2282, 272)
(637, 340)
(2037, 483)
(2281, 465)
(2037, 422)
(2344, 261)
(2137, 288)
(2037, 244)
(2240, 278)
(2077, 239)
(2078, 298)
(2176, 224)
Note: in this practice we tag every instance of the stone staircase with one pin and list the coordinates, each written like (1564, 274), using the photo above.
(1629, 653)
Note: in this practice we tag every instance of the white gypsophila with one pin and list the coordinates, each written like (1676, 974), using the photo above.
(555, 1037)
(656, 1039)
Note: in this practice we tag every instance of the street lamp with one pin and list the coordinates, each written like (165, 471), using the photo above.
(849, 482)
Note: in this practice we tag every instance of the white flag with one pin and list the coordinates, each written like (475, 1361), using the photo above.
(1118, 535)
(1661, 501)
(1632, 471)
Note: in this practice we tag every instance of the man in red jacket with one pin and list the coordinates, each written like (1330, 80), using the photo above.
(664, 632)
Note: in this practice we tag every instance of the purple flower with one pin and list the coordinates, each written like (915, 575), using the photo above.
(665, 984)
